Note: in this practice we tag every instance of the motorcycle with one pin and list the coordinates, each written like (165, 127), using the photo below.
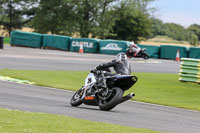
(142, 53)
(106, 98)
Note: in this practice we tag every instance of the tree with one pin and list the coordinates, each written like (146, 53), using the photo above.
(50, 16)
(94, 16)
(158, 27)
(195, 28)
(101, 18)
(133, 21)
(172, 30)
(175, 31)
(71, 16)
(12, 13)
(194, 39)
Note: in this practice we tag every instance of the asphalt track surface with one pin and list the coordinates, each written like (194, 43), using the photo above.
(55, 101)
(38, 59)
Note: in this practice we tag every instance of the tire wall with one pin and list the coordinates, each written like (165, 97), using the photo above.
(169, 51)
(194, 52)
(56, 41)
(19, 38)
(153, 51)
(90, 45)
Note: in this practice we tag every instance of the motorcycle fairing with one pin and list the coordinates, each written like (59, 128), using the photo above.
(89, 83)
(90, 80)
(125, 81)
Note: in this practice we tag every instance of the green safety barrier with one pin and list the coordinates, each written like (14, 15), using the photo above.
(28, 39)
(190, 78)
(190, 70)
(169, 51)
(194, 52)
(153, 51)
(89, 45)
(190, 62)
(112, 47)
(56, 41)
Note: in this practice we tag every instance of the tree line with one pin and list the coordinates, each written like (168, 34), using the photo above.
(105, 19)
(176, 31)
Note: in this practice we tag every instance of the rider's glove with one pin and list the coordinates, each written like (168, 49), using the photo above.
(93, 70)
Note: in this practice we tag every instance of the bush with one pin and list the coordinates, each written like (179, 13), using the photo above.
(194, 40)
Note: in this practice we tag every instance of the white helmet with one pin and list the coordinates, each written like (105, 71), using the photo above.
(132, 43)
(121, 56)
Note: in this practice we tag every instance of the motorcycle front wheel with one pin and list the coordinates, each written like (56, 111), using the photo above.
(112, 101)
(76, 98)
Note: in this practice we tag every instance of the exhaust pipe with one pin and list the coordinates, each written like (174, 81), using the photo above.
(127, 97)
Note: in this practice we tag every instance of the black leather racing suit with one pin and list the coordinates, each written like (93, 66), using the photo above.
(120, 66)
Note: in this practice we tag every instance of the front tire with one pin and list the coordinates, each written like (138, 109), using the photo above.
(112, 101)
(76, 98)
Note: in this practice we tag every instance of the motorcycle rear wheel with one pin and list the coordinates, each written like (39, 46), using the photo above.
(76, 98)
(145, 56)
(128, 54)
(112, 101)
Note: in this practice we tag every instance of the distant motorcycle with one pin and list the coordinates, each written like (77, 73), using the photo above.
(106, 98)
(141, 54)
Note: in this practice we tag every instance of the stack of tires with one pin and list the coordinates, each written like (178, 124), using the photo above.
(1, 42)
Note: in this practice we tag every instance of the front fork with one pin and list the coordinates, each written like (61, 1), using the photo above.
(84, 89)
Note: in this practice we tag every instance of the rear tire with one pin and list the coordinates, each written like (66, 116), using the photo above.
(113, 101)
(76, 98)
(128, 54)
(145, 56)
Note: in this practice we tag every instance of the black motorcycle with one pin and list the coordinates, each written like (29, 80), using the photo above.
(104, 97)
(141, 54)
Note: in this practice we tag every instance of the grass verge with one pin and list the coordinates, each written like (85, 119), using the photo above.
(23, 122)
(164, 89)
(6, 40)
(166, 39)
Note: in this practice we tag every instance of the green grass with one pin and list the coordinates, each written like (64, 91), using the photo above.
(164, 89)
(6, 40)
(23, 122)
(166, 39)
(69, 80)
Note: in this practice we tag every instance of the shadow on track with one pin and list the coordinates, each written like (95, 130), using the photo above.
(94, 109)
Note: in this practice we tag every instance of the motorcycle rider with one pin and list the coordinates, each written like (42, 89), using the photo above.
(133, 48)
(120, 65)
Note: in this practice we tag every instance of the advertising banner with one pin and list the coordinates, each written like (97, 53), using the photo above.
(112, 47)
(89, 45)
